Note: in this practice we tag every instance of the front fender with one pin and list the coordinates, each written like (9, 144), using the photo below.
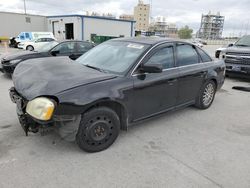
(77, 100)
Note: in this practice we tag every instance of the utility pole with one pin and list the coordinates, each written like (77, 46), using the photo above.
(24, 3)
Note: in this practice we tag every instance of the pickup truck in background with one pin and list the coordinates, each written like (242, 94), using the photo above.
(237, 57)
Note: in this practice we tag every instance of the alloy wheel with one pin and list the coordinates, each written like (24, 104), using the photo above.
(208, 94)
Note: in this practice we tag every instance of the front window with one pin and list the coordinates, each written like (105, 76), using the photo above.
(164, 56)
(39, 40)
(66, 47)
(113, 56)
(244, 41)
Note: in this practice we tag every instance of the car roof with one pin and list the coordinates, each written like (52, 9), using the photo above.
(74, 41)
(66, 41)
(148, 40)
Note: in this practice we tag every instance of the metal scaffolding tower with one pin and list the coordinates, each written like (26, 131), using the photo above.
(211, 26)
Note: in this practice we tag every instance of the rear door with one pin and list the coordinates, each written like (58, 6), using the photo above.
(191, 72)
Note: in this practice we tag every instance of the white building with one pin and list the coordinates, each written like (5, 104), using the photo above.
(14, 23)
(162, 28)
(82, 27)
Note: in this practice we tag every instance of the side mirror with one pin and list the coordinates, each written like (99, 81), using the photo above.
(230, 45)
(54, 53)
(151, 68)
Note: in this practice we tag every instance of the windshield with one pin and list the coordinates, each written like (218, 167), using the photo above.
(244, 41)
(47, 47)
(113, 56)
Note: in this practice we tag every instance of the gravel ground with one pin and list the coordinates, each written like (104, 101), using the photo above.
(186, 148)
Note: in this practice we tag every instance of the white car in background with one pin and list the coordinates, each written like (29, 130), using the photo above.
(199, 44)
(34, 44)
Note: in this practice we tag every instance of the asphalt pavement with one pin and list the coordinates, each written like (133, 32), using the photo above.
(185, 148)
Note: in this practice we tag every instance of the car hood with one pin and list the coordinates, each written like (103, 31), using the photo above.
(21, 55)
(221, 49)
(53, 75)
(238, 49)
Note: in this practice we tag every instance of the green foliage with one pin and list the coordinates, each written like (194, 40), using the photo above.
(185, 32)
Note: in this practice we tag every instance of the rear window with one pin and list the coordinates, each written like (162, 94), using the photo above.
(186, 55)
(84, 47)
(204, 56)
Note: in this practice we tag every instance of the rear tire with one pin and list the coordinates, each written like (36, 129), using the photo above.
(98, 129)
(206, 95)
(30, 48)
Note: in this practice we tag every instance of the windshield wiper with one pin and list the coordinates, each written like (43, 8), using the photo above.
(96, 68)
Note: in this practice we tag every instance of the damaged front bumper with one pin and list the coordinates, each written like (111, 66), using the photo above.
(27, 123)
(65, 125)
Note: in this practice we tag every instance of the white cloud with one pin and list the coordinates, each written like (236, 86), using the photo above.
(183, 12)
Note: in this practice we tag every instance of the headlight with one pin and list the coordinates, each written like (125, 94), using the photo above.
(15, 61)
(40, 108)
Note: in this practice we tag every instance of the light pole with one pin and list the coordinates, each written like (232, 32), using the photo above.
(24, 3)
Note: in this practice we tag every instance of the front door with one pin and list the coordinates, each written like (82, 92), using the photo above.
(64, 49)
(155, 92)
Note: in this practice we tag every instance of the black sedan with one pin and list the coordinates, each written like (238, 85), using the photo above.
(112, 86)
(72, 49)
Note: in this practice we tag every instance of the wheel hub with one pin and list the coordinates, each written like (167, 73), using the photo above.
(208, 94)
(99, 130)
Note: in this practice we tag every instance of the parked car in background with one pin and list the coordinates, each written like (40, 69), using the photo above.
(35, 44)
(197, 44)
(114, 85)
(72, 49)
(237, 57)
(28, 36)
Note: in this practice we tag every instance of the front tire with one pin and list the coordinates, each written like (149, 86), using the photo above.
(206, 95)
(98, 129)
(30, 48)
(217, 54)
(16, 44)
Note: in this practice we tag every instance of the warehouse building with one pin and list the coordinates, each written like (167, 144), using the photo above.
(14, 23)
(78, 27)
(90, 28)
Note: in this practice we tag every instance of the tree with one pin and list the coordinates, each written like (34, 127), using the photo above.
(185, 32)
